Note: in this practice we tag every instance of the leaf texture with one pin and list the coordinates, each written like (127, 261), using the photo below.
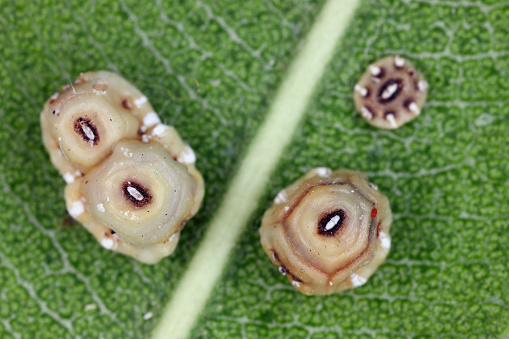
(208, 68)
(445, 175)
(212, 69)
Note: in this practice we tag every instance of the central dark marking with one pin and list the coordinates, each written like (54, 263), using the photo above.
(390, 90)
(87, 130)
(136, 193)
(330, 223)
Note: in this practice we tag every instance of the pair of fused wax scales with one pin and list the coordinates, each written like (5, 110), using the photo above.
(132, 182)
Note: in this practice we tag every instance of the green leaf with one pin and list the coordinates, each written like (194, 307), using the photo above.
(220, 72)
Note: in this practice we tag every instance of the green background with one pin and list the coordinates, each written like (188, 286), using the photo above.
(211, 70)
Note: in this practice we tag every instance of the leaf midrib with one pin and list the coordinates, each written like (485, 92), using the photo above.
(248, 184)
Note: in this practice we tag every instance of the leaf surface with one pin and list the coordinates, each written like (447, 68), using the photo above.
(213, 69)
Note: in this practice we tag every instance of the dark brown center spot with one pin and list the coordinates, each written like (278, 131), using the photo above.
(329, 224)
(390, 90)
(136, 193)
(87, 130)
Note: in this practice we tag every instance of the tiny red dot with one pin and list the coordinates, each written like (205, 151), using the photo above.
(373, 212)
